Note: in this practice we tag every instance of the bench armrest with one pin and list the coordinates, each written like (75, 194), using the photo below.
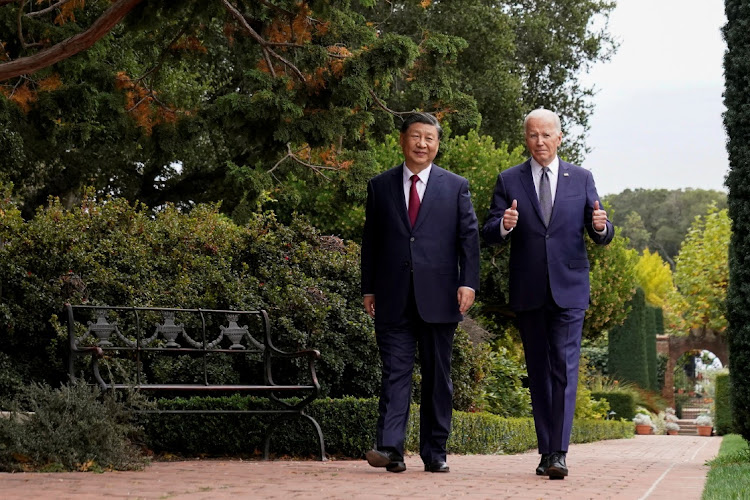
(94, 350)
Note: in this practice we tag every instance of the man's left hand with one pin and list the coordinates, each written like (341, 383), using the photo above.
(465, 299)
(599, 218)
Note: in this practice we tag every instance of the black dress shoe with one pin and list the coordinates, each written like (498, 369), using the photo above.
(388, 459)
(557, 468)
(541, 469)
(437, 467)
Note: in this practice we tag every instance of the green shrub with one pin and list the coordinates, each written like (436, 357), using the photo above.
(628, 349)
(504, 394)
(723, 405)
(11, 381)
(348, 427)
(111, 252)
(75, 427)
(621, 402)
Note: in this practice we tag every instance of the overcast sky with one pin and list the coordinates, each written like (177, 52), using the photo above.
(657, 121)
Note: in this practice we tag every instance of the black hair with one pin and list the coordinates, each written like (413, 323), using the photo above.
(420, 117)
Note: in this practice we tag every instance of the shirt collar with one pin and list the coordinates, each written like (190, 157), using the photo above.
(536, 168)
(423, 175)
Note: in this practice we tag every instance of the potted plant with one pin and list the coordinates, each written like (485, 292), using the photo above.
(704, 425)
(642, 423)
(673, 428)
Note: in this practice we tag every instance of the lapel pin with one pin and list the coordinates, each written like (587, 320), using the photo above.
(565, 174)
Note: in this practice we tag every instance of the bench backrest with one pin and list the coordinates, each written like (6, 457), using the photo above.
(140, 339)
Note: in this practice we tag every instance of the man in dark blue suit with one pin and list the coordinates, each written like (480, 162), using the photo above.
(543, 207)
(420, 265)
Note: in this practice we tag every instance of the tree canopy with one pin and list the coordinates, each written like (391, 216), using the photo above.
(245, 101)
(702, 272)
(659, 219)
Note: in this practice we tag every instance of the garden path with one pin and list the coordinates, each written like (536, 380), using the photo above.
(645, 467)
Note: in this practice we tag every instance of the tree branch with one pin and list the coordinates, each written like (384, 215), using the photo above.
(70, 46)
(385, 108)
(263, 43)
(48, 9)
(318, 169)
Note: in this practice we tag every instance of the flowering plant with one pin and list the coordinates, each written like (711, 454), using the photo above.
(642, 419)
(704, 420)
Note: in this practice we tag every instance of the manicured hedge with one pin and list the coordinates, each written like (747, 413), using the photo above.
(737, 125)
(723, 405)
(628, 358)
(621, 402)
(348, 426)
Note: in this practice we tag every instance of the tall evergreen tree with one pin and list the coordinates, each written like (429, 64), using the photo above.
(737, 123)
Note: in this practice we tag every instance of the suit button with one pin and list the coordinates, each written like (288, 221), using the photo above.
(411, 239)
(546, 236)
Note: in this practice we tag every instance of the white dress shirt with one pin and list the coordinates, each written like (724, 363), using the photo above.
(536, 173)
(424, 176)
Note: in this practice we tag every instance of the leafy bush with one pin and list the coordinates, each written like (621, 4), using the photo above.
(75, 427)
(348, 427)
(620, 402)
(504, 394)
(723, 405)
(111, 252)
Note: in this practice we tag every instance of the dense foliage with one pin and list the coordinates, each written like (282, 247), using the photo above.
(722, 405)
(111, 252)
(628, 345)
(702, 270)
(659, 219)
(75, 427)
(737, 124)
(517, 57)
(251, 102)
(349, 428)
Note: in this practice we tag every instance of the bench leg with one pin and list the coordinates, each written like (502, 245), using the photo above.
(274, 424)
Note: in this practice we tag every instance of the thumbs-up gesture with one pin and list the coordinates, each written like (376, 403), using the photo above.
(599, 218)
(510, 217)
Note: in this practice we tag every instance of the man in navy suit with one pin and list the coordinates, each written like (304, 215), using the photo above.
(543, 207)
(420, 265)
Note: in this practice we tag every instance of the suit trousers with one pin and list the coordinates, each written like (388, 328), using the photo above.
(552, 346)
(398, 345)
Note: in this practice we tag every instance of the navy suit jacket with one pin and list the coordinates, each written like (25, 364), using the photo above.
(557, 251)
(441, 250)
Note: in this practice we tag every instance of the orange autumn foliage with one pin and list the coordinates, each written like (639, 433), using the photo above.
(142, 105)
(25, 95)
(189, 43)
(297, 31)
(67, 11)
(22, 95)
(330, 158)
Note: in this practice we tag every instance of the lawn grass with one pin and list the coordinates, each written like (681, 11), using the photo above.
(729, 477)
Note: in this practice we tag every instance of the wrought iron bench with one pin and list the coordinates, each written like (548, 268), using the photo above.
(127, 343)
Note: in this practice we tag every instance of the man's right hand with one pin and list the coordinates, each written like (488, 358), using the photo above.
(510, 217)
(369, 301)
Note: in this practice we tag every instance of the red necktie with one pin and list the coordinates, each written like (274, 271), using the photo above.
(413, 200)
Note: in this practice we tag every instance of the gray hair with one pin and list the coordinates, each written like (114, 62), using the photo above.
(543, 113)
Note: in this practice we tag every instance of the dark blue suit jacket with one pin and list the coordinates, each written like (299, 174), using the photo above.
(557, 251)
(442, 248)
